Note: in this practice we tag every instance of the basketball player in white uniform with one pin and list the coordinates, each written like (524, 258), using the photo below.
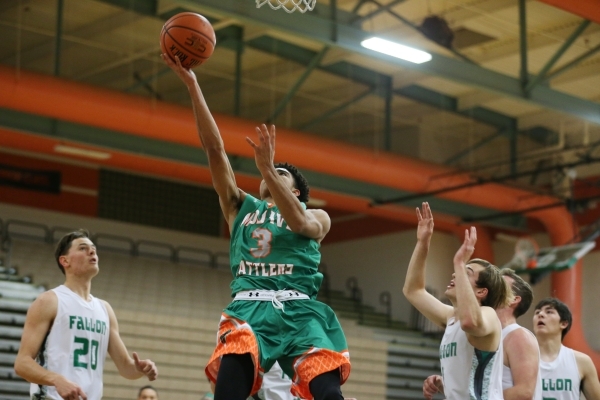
(471, 349)
(68, 332)
(565, 372)
(521, 378)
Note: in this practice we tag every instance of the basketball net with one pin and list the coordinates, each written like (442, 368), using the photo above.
(525, 251)
(288, 5)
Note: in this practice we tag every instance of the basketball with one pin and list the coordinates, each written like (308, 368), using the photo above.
(188, 36)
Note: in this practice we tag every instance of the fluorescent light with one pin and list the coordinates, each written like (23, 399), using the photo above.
(396, 50)
(76, 151)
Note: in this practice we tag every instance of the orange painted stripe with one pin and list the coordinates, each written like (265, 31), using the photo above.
(588, 9)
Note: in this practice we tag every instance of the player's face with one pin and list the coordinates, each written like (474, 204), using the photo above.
(81, 257)
(148, 394)
(287, 178)
(472, 273)
(546, 321)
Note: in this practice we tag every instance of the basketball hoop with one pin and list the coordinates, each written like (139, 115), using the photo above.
(289, 5)
(526, 250)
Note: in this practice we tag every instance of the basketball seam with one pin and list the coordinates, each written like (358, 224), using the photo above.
(193, 30)
(184, 48)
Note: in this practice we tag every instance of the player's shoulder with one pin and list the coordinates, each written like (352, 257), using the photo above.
(584, 361)
(45, 305)
(48, 297)
(318, 213)
(521, 339)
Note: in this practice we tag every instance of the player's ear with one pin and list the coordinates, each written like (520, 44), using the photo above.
(481, 293)
(296, 192)
(564, 324)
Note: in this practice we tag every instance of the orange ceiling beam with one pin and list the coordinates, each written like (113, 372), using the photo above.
(74, 102)
(588, 9)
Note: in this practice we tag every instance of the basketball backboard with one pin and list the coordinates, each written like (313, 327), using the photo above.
(554, 259)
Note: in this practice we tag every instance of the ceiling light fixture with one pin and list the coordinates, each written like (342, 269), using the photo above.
(396, 50)
(76, 151)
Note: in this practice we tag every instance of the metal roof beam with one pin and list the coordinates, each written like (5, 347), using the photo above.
(565, 46)
(349, 38)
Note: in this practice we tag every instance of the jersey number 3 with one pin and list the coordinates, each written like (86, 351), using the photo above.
(263, 237)
(82, 352)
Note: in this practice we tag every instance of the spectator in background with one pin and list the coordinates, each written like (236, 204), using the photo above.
(147, 393)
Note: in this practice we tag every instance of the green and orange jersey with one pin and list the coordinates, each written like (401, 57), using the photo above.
(265, 253)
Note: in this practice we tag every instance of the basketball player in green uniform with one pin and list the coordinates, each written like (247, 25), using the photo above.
(274, 254)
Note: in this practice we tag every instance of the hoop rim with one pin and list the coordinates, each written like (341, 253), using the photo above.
(289, 5)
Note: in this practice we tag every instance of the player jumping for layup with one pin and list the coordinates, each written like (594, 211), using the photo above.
(274, 254)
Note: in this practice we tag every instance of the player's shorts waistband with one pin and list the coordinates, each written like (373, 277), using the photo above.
(277, 297)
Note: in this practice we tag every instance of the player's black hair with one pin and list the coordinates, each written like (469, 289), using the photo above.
(64, 245)
(300, 181)
(147, 387)
(561, 308)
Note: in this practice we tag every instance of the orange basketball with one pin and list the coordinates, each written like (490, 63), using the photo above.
(188, 36)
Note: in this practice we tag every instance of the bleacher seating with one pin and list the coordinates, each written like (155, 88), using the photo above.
(15, 298)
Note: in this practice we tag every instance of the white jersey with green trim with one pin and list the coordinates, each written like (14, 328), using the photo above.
(469, 373)
(276, 385)
(76, 345)
(560, 378)
(507, 380)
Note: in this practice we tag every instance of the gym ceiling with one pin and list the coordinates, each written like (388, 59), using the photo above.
(514, 99)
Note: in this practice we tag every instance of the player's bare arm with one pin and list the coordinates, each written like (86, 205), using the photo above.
(38, 322)
(480, 323)
(128, 367)
(311, 223)
(589, 376)
(230, 196)
(522, 356)
(414, 285)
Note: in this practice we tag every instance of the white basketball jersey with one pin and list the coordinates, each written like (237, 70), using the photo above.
(469, 373)
(507, 380)
(276, 385)
(560, 378)
(76, 345)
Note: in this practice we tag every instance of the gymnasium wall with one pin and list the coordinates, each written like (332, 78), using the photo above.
(379, 263)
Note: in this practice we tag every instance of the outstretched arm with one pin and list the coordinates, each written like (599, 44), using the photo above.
(230, 196)
(589, 376)
(128, 367)
(414, 285)
(311, 223)
(38, 322)
(475, 320)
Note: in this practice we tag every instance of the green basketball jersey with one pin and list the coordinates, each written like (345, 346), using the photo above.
(266, 254)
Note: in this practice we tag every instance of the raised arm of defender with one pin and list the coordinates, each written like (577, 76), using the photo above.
(414, 285)
(475, 320)
(230, 196)
(311, 223)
